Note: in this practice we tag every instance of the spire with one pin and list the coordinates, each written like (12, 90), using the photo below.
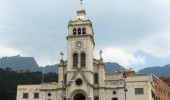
(81, 10)
(81, 5)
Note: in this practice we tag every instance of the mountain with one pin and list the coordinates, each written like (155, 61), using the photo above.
(113, 67)
(158, 71)
(50, 68)
(19, 63)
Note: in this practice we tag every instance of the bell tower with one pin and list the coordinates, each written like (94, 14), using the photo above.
(80, 43)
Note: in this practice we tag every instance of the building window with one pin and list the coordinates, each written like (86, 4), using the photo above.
(96, 98)
(74, 31)
(65, 78)
(49, 94)
(139, 91)
(75, 60)
(96, 80)
(153, 94)
(25, 95)
(79, 31)
(36, 95)
(79, 82)
(83, 59)
(84, 31)
(114, 92)
(114, 99)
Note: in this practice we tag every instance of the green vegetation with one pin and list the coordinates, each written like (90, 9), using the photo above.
(9, 80)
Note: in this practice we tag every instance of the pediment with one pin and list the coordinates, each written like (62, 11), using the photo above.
(78, 75)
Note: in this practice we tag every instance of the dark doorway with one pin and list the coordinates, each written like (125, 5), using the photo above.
(79, 96)
(114, 99)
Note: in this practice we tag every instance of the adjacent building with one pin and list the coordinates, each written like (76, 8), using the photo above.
(166, 80)
(162, 91)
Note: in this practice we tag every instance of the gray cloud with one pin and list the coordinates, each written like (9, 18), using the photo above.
(38, 28)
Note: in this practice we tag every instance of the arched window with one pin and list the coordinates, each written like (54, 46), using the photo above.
(96, 78)
(83, 59)
(84, 31)
(74, 31)
(79, 30)
(75, 60)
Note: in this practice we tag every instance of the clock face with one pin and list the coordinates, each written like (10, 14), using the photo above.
(78, 44)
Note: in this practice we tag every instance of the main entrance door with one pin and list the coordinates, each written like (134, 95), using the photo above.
(79, 96)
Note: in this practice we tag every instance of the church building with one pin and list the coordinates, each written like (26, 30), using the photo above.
(82, 77)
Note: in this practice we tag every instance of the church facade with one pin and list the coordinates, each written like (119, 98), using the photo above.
(81, 77)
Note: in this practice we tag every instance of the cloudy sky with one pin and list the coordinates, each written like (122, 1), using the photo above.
(134, 33)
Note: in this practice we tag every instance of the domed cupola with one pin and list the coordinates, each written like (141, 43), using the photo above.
(80, 25)
(81, 14)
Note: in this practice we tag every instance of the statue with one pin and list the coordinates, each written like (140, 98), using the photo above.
(100, 53)
(61, 53)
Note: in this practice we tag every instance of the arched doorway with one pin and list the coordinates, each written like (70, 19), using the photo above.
(114, 99)
(79, 96)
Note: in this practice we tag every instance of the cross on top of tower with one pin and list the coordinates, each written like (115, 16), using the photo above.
(81, 10)
(81, 1)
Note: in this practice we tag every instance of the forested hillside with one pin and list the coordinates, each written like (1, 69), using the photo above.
(9, 80)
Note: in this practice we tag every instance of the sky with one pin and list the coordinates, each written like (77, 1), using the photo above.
(133, 33)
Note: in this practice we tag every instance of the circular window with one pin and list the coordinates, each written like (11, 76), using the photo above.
(114, 92)
(49, 94)
(79, 82)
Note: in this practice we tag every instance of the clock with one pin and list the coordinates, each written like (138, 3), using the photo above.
(78, 44)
